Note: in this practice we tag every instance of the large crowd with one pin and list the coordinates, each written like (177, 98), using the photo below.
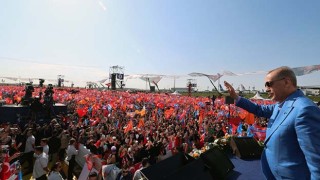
(122, 128)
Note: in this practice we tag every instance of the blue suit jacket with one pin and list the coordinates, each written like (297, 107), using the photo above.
(292, 144)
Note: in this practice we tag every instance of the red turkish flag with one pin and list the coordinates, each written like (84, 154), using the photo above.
(89, 162)
(129, 126)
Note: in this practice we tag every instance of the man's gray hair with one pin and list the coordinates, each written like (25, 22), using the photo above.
(285, 72)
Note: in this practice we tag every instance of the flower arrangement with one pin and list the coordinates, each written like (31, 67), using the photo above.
(221, 143)
(195, 153)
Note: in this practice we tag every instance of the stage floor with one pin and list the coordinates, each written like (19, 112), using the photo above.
(246, 169)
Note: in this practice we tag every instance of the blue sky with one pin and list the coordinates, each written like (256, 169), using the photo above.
(81, 39)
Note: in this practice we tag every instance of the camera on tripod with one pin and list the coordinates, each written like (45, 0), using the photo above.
(27, 98)
(48, 95)
(49, 90)
(41, 81)
(29, 88)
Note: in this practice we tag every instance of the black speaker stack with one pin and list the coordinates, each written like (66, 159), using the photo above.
(212, 164)
(113, 81)
(246, 147)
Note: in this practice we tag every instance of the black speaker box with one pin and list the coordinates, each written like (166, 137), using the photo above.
(229, 100)
(212, 164)
(165, 169)
(113, 81)
(246, 147)
(152, 89)
(218, 163)
(59, 82)
(195, 170)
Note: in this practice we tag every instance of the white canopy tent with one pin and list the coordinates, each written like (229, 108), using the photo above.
(176, 93)
(257, 96)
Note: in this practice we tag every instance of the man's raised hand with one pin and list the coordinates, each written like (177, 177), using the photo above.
(231, 90)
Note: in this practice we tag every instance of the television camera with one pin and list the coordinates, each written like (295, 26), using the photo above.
(48, 95)
(27, 99)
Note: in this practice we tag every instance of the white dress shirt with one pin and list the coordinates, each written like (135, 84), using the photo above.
(71, 151)
(30, 144)
(54, 175)
(40, 163)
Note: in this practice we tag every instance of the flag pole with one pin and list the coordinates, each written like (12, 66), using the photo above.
(215, 87)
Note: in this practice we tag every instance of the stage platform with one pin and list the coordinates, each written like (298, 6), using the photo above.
(249, 169)
(212, 164)
(10, 113)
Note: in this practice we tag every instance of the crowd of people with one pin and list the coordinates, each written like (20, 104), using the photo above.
(128, 130)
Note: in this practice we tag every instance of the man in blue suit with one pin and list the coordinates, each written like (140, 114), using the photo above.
(292, 144)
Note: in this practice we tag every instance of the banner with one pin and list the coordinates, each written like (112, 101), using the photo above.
(120, 76)
(15, 171)
(212, 77)
(85, 172)
(300, 71)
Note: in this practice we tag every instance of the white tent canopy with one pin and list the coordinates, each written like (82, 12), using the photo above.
(257, 96)
(176, 93)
